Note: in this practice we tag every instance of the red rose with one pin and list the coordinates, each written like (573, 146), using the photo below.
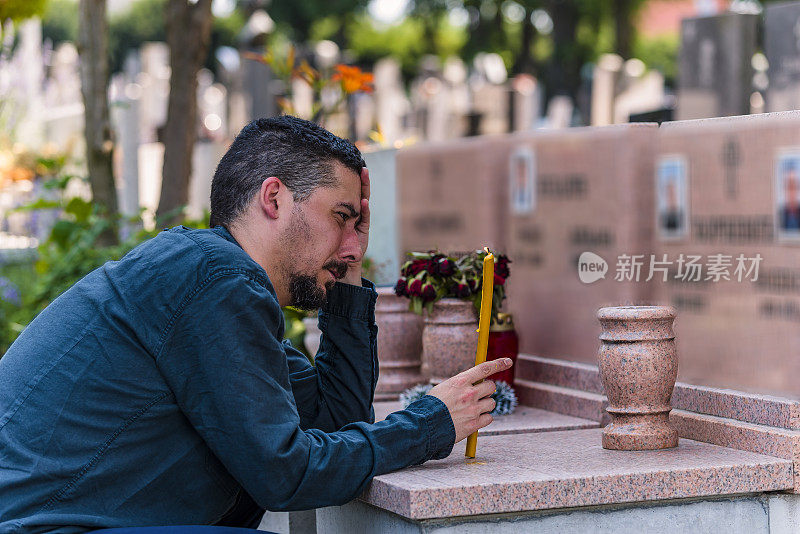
(416, 267)
(461, 291)
(445, 267)
(428, 292)
(501, 267)
(499, 280)
(401, 288)
(415, 288)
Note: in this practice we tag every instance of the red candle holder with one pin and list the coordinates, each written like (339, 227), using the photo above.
(503, 343)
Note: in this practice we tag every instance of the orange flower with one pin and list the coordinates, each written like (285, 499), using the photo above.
(353, 79)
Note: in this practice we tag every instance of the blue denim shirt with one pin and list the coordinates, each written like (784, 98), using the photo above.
(158, 387)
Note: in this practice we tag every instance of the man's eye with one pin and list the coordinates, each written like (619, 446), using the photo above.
(343, 215)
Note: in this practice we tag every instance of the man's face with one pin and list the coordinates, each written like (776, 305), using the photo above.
(321, 239)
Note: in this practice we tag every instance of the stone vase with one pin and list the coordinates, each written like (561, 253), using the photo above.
(638, 367)
(449, 339)
(399, 345)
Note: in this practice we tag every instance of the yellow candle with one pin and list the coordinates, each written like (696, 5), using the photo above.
(483, 331)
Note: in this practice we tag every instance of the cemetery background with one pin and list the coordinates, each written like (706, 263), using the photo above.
(626, 136)
(517, 77)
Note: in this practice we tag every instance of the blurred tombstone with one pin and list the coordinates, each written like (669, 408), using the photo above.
(125, 121)
(151, 164)
(455, 76)
(559, 112)
(390, 101)
(782, 44)
(451, 195)
(384, 249)
(363, 115)
(641, 91)
(231, 72)
(604, 88)
(715, 70)
(490, 93)
(63, 123)
(154, 80)
(205, 157)
(29, 61)
(259, 87)
(525, 102)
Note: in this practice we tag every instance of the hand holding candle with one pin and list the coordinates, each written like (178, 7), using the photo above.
(483, 331)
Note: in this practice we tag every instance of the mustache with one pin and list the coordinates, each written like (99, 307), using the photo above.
(339, 268)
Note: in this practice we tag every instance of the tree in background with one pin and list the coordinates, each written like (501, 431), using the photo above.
(93, 51)
(188, 37)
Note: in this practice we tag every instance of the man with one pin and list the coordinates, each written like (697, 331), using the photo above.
(157, 390)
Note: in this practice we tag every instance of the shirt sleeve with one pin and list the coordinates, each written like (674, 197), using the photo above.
(228, 370)
(339, 388)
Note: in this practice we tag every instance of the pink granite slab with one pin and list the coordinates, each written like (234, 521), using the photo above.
(779, 442)
(761, 409)
(524, 419)
(537, 471)
(570, 401)
(583, 376)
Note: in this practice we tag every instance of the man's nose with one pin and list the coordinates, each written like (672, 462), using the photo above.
(350, 249)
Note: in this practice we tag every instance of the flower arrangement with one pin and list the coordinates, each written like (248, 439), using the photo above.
(504, 396)
(430, 276)
(347, 78)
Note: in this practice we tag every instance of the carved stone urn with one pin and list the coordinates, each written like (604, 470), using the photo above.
(449, 339)
(399, 345)
(638, 367)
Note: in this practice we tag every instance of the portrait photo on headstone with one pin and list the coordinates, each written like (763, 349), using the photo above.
(672, 197)
(787, 196)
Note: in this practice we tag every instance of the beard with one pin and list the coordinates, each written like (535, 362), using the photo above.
(305, 293)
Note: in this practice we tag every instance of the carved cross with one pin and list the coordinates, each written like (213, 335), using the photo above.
(730, 159)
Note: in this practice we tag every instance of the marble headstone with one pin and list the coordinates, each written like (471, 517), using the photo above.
(734, 187)
(715, 65)
(578, 200)
(452, 195)
(782, 44)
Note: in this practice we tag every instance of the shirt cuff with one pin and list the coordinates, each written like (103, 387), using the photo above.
(352, 302)
(441, 431)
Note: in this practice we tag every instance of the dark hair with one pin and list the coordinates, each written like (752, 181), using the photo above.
(297, 151)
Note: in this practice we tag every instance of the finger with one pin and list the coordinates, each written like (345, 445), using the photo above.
(481, 371)
(363, 223)
(365, 183)
(485, 420)
(486, 405)
(485, 389)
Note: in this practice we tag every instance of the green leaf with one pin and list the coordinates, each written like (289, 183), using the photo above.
(79, 208)
(62, 232)
(38, 204)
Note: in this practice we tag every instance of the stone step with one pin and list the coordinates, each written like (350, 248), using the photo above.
(747, 407)
(562, 373)
(562, 400)
(725, 432)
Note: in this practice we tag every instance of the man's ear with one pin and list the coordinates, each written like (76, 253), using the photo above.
(269, 196)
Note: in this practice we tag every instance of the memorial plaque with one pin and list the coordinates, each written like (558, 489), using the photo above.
(452, 196)
(782, 46)
(579, 199)
(715, 65)
(730, 253)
